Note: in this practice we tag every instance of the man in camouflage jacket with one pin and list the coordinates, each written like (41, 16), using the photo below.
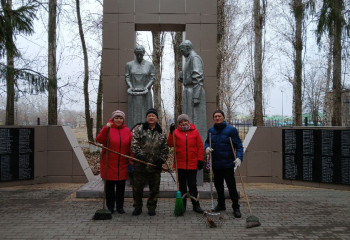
(149, 144)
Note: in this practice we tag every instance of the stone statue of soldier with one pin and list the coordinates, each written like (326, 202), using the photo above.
(193, 95)
(139, 76)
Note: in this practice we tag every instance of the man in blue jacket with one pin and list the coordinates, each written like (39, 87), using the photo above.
(223, 161)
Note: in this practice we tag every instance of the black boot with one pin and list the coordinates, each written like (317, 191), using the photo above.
(197, 208)
(120, 210)
(184, 203)
(151, 212)
(220, 207)
(137, 211)
(237, 213)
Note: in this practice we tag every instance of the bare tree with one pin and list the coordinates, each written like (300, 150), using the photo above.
(259, 19)
(86, 75)
(327, 100)
(99, 104)
(298, 11)
(100, 89)
(158, 46)
(177, 40)
(234, 73)
(220, 36)
(52, 67)
(314, 90)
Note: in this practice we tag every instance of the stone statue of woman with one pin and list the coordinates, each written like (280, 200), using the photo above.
(139, 76)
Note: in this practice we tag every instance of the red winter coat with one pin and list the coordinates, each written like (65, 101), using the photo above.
(119, 141)
(189, 147)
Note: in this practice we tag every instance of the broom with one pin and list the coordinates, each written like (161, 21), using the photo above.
(132, 158)
(104, 214)
(179, 209)
(251, 221)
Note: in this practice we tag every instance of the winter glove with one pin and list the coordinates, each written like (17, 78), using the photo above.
(172, 128)
(237, 163)
(140, 157)
(208, 150)
(200, 165)
(159, 164)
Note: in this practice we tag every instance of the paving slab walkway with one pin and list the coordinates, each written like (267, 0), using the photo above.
(52, 211)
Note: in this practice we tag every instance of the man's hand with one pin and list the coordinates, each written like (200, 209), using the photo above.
(237, 162)
(140, 157)
(159, 164)
(208, 150)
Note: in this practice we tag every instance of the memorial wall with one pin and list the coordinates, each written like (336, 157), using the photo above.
(316, 155)
(41, 154)
(16, 154)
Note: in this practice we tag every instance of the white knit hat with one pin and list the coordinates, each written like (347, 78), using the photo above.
(118, 113)
(183, 117)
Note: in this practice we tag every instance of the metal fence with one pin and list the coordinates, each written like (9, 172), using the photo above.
(243, 126)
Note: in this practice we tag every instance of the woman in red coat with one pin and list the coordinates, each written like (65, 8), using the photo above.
(117, 170)
(189, 157)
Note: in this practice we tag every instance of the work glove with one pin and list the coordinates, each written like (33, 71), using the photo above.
(237, 163)
(159, 164)
(172, 128)
(208, 150)
(200, 165)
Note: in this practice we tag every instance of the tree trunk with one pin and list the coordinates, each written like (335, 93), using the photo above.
(177, 40)
(328, 94)
(99, 103)
(156, 59)
(258, 26)
(220, 36)
(298, 11)
(10, 79)
(86, 75)
(52, 73)
(337, 87)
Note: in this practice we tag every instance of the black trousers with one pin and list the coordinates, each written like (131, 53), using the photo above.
(153, 179)
(188, 178)
(227, 174)
(115, 194)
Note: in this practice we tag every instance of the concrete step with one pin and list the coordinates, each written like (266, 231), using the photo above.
(94, 189)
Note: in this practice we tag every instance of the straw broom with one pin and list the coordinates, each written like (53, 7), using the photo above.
(251, 221)
(179, 205)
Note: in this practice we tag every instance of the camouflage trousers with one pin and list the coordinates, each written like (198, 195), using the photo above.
(153, 179)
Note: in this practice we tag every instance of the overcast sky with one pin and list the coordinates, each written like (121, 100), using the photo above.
(70, 61)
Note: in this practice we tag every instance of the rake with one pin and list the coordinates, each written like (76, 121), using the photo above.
(251, 221)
